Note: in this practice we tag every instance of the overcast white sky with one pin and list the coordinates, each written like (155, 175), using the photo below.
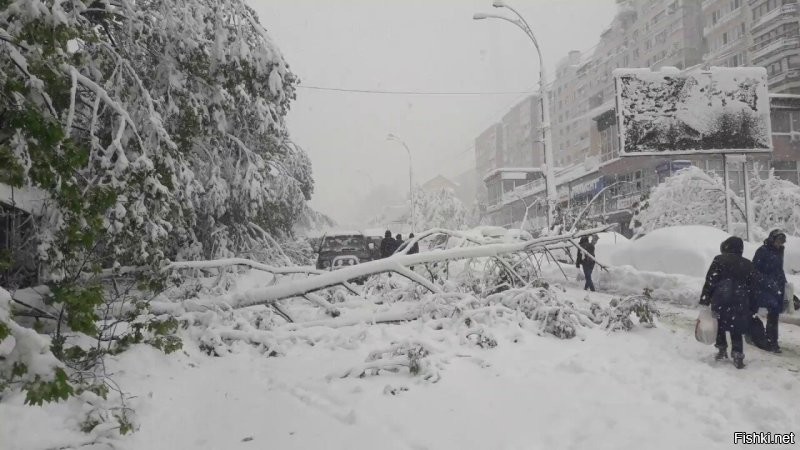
(410, 45)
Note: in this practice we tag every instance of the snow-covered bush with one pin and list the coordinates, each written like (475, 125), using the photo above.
(27, 362)
(690, 197)
(410, 355)
(694, 197)
(439, 209)
(618, 318)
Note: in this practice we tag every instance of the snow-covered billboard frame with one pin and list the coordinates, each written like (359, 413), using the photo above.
(719, 110)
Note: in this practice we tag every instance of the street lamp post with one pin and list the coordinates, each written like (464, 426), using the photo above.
(549, 163)
(392, 137)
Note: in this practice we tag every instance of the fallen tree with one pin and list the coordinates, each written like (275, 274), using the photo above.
(399, 264)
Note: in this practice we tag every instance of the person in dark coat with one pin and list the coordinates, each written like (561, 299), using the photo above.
(414, 248)
(388, 245)
(768, 260)
(732, 283)
(399, 239)
(586, 262)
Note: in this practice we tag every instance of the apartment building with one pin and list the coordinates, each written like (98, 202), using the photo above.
(775, 34)
(522, 146)
(726, 32)
(488, 156)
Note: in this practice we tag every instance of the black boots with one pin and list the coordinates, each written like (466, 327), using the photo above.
(738, 359)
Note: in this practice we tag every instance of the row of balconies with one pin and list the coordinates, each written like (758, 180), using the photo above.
(787, 10)
(779, 45)
(735, 14)
(790, 75)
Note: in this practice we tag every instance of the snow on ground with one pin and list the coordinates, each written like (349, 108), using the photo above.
(650, 388)
(686, 250)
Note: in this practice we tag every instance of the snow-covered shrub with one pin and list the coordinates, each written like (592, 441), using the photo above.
(391, 289)
(642, 306)
(413, 356)
(694, 197)
(690, 197)
(216, 329)
(27, 363)
(554, 316)
(439, 209)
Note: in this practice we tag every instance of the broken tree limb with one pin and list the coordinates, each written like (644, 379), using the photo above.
(321, 302)
(396, 263)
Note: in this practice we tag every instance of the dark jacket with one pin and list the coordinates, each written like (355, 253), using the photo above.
(414, 248)
(769, 262)
(731, 286)
(583, 260)
(388, 245)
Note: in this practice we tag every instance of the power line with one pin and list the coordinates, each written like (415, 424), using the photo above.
(387, 92)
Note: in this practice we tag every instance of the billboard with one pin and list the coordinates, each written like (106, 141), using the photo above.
(719, 110)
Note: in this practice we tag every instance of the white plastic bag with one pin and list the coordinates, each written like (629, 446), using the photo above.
(788, 301)
(581, 276)
(705, 330)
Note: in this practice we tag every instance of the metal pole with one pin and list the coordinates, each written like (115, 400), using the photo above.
(747, 204)
(549, 162)
(726, 178)
(392, 137)
(411, 190)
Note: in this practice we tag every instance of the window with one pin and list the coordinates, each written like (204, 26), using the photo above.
(724, 38)
(715, 17)
(774, 69)
(793, 61)
(780, 121)
(786, 170)
(736, 4)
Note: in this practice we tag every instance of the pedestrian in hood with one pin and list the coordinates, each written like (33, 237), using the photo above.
(586, 262)
(414, 248)
(388, 245)
(769, 262)
(731, 285)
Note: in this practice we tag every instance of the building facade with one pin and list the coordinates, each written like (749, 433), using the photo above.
(726, 26)
(775, 34)
(521, 141)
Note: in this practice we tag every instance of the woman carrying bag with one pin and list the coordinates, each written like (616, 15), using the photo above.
(730, 286)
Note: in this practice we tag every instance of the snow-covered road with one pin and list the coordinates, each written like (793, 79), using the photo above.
(650, 388)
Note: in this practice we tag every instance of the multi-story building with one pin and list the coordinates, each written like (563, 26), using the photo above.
(522, 146)
(566, 108)
(654, 34)
(726, 32)
(488, 155)
(775, 33)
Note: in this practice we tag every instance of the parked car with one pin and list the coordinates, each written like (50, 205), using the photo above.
(346, 243)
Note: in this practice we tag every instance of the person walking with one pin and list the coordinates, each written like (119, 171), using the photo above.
(586, 262)
(731, 285)
(414, 248)
(388, 245)
(768, 260)
(399, 240)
